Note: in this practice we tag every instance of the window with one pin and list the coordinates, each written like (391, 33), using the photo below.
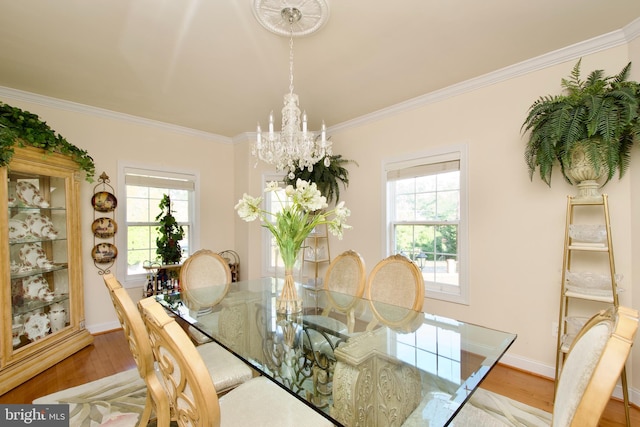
(142, 191)
(426, 218)
(272, 262)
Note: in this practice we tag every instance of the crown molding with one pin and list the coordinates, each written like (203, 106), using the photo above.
(632, 31)
(587, 47)
(75, 107)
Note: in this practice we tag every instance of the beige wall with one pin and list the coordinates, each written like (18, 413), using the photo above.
(634, 229)
(516, 226)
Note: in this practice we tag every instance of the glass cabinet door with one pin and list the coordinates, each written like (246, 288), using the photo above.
(38, 255)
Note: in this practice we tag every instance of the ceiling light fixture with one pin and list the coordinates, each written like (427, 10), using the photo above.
(294, 147)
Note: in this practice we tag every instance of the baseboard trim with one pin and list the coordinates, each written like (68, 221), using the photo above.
(103, 327)
(546, 371)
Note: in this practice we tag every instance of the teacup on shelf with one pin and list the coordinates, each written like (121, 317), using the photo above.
(16, 332)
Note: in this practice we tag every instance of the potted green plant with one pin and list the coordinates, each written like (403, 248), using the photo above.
(21, 128)
(327, 178)
(168, 242)
(588, 130)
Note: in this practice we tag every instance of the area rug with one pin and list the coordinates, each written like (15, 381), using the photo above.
(114, 401)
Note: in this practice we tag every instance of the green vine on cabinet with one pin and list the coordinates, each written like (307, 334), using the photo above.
(22, 128)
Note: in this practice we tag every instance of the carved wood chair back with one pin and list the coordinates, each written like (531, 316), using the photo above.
(140, 346)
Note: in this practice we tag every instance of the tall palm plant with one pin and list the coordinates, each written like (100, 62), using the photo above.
(599, 115)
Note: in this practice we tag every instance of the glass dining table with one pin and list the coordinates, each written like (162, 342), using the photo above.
(355, 361)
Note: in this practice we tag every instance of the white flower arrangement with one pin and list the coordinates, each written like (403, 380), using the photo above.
(302, 211)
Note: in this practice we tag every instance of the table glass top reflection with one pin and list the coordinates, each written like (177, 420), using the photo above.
(366, 362)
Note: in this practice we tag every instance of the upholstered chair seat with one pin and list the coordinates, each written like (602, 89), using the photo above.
(192, 395)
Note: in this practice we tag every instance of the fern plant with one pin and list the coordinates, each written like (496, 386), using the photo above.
(600, 115)
(171, 232)
(327, 178)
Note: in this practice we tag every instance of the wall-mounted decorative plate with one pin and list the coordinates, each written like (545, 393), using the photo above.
(103, 253)
(103, 201)
(104, 227)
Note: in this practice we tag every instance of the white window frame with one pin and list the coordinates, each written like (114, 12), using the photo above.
(266, 236)
(161, 172)
(458, 294)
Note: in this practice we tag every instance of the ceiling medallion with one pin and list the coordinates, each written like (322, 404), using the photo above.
(313, 15)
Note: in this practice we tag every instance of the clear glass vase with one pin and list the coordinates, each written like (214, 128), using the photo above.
(288, 302)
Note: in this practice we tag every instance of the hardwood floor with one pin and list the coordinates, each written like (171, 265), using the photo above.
(538, 391)
(110, 354)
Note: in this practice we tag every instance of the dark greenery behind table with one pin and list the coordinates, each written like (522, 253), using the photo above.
(326, 178)
(170, 234)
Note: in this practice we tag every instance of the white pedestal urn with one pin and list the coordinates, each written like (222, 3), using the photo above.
(584, 174)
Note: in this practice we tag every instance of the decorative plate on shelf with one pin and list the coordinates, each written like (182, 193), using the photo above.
(37, 326)
(32, 285)
(104, 201)
(30, 195)
(104, 227)
(103, 253)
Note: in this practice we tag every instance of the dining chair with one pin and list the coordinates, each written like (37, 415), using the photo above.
(205, 278)
(225, 369)
(136, 334)
(395, 281)
(344, 284)
(192, 394)
(585, 385)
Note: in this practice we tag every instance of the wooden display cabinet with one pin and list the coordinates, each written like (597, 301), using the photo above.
(41, 297)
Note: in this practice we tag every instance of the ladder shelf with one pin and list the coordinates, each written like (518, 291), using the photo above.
(586, 240)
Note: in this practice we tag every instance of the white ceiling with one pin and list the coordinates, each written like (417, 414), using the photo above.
(210, 66)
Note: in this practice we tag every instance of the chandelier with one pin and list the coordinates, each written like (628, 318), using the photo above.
(295, 146)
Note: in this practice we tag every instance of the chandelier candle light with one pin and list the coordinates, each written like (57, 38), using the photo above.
(293, 147)
(302, 210)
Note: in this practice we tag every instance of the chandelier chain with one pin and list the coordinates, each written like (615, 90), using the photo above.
(291, 61)
(292, 148)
